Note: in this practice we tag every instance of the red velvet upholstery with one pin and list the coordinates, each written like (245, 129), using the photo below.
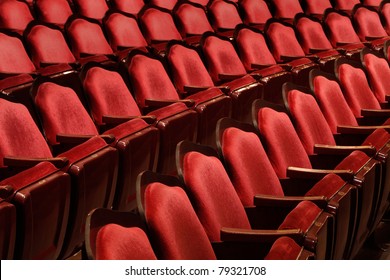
(328, 93)
(53, 11)
(123, 31)
(224, 15)
(213, 196)
(173, 223)
(167, 4)
(284, 248)
(42, 200)
(317, 7)
(279, 137)
(340, 29)
(368, 24)
(13, 56)
(7, 229)
(302, 217)
(310, 124)
(114, 242)
(385, 12)
(87, 37)
(345, 5)
(255, 11)
(108, 95)
(379, 138)
(356, 89)
(128, 6)
(14, 15)
(192, 19)
(378, 72)
(48, 45)
(372, 3)
(287, 9)
(201, 2)
(91, 8)
(158, 25)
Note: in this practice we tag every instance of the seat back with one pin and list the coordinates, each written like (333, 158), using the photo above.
(91, 8)
(53, 11)
(384, 11)
(86, 37)
(345, 5)
(175, 229)
(208, 185)
(123, 31)
(14, 15)
(47, 45)
(372, 3)
(287, 9)
(317, 7)
(256, 12)
(367, 23)
(192, 19)
(128, 6)
(331, 101)
(166, 4)
(224, 15)
(187, 68)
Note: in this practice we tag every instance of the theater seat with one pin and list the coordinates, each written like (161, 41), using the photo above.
(14, 15)
(345, 5)
(53, 11)
(316, 8)
(286, 10)
(128, 6)
(224, 16)
(91, 8)
(255, 12)
(166, 4)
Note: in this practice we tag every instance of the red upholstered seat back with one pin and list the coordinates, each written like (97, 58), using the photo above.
(167, 4)
(14, 15)
(284, 248)
(385, 12)
(255, 11)
(287, 8)
(225, 14)
(340, 29)
(251, 171)
(114, 242)
(87, 37)
(158, 25)
(123, 31)
(332, 103)
(283, 41)
(378, 73)
(212, 193)
(281, 141)
(373, 3)
(62, 112)
(222, 58)
(253, 48)
(20, 135)
(13, 56)
(108, 94)
(48, 45)
(310, 123)
(312, 35)
(192, 19)
(317, 7)
(201, 2)
(173, 224)
(91, 8)
(368, 24)
(356, 89)
(187, 68)
(53, 11)
(128, 6)
(150, 80)
(345, 5)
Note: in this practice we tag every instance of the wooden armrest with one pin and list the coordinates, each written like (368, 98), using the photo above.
(78, 139)
(341, 44)
(123, 48)
(343, 150)
(290, 58)
(193, 89)
(260, 66)
(311, 50)
(58, 162)
(288, 201)
(6, 191)
(163, 103)
(252, 235)
(372, 38)
(118, 120)
(364, 129)
(375, 113)
(228, 77)
(305, 173)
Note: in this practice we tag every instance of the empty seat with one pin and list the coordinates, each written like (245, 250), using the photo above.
(255, 12)
(224, 15)
(128, 6)
(166, 4)
(286, 10)
(317, 8)
(14, 15)
(372, 3)
(384, 11)
(56, 12)
(218, 205)
(8, 224)
(345, 5)
(91, 8)
(157, 191)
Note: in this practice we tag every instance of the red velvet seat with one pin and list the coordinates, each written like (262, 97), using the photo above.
(345, 5)
(384, 11)
(128, 6)
(372, 3)
(53, 11)
(255, 12)
(286, 10)
(91, 165)
(218, 205)
(224, 16)
(91, 8)
(166, 219)
(7, 224)
(15, 15)
(113, 235)
(317, 8)
(151, 81)
(252, 175)
(166, 4)
(226, 68)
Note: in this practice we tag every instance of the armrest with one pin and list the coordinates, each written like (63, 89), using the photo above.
(78, 139)
(119, 120)
(193, 89)
(366, 130)
(228, 77)
(290, 58)
(375, 113)
(6, 191)
(154, 41)
(288, 201)
(260, 66)
(163, 103)
(343, 150)
(311, 50)
(341, 44)
(123, 48)
(255, 235)
(305, 173)
(372, 38)
(58, 162)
